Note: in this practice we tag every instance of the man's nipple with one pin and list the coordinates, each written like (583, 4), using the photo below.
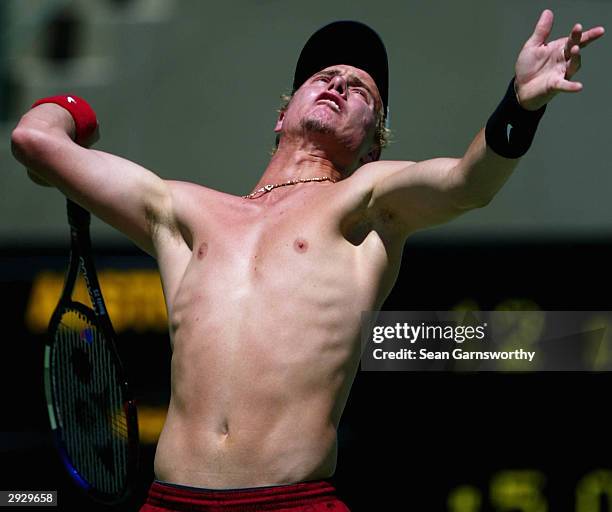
(300, 245)
(202, 250)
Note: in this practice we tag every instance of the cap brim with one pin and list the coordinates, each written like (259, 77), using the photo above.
(345, 42)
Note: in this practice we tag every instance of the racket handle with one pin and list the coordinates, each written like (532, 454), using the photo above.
(78, 217)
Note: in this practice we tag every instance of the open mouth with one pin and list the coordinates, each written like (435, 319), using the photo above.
(331, 100)
(331, 103)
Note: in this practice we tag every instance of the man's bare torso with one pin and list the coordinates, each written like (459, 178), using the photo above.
(264, 301)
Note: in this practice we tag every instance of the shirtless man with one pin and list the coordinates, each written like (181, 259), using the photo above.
(264, 292)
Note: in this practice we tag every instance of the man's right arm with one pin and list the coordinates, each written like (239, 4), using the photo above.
(121, 193)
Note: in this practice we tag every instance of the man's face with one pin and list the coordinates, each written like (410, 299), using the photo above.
(338, 105)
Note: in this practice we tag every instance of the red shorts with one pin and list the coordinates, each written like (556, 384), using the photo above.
(315, 496)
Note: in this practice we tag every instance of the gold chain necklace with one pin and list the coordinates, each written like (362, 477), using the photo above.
(265, 189)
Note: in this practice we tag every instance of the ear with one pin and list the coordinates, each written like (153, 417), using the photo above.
(372, 156)
(279, 122)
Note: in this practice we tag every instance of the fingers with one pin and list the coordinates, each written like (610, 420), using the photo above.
(542, 29)
(569, 86)
(574, 62)
(591, 35)
(580, 38)
(573, 40)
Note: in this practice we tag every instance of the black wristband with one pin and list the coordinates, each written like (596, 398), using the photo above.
(511, 128)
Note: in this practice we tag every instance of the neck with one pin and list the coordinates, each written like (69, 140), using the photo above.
(294, 163)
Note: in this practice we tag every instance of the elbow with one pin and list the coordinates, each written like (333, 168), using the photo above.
(468, 197)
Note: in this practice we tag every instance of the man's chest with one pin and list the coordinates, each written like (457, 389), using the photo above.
(274, 244)
(305, 242)
(300, 225)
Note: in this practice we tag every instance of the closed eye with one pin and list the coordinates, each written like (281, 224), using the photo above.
(362, 92)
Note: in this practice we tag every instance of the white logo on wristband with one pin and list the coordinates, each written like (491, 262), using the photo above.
(70, 99)
(508, 131)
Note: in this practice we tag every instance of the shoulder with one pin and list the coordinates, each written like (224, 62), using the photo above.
(195, 206)
(187, 196)
(365, 179)
(373, 172)
(175, 223)
(183, 190)
(355, 195)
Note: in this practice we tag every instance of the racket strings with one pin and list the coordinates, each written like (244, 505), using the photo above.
(89, 402)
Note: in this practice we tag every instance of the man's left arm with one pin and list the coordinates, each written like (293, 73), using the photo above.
(417, 195)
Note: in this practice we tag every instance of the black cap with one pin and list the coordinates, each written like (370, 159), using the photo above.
(345, 42)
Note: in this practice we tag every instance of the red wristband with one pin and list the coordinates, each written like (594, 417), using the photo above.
(84, 117)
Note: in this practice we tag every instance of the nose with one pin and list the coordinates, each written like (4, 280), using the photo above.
(338, 84)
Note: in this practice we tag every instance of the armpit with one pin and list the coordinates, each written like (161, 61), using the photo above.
(162, 222)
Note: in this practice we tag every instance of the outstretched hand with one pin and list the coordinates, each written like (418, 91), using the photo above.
(545, 69)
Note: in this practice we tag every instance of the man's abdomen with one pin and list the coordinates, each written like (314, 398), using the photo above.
(265, 348)
(235, 451)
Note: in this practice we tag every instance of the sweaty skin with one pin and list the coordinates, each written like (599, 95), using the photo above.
(264, 300)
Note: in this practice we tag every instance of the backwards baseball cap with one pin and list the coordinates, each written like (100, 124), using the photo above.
(345, 42)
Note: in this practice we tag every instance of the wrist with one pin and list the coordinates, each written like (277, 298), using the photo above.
(531, 106)
(54, 117)
(510, 129)
(85, 123)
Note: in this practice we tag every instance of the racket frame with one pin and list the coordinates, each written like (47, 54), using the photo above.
(81, 260)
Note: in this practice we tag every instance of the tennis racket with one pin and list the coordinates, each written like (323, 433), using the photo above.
(91, 410)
